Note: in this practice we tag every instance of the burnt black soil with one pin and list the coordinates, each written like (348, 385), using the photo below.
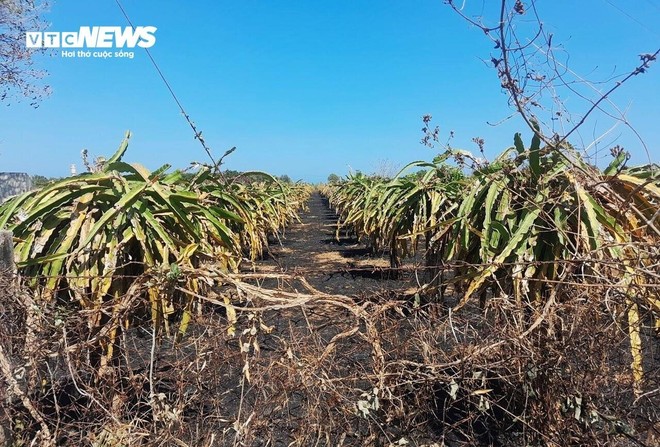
(332, 262)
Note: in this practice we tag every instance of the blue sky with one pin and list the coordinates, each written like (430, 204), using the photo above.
(309, 88)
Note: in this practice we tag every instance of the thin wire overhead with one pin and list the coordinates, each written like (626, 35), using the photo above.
(198, 133)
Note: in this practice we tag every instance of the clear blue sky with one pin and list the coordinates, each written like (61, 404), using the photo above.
(309, 88)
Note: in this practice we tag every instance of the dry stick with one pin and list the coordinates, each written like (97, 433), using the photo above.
(318, 297)
(133, 294)
(152, 393)
(288, 299)
(635, 72)
(5, 366)
(75, 382)
(297, 299)
(55, 400)
(331, 346)
(523, 264)
(622, 115)
(238, 427)
(544, 314)
(505, 59)
(511, 85)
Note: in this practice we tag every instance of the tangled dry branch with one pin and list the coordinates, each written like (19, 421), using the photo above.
(309, 368)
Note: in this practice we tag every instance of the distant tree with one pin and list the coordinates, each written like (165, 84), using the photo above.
(39, 181)
(285, 179)
(416, 175)
(386, 169)
(18, 77)
(230, 173)
(333, 178)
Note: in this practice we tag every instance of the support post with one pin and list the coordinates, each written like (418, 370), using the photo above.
(7, 252)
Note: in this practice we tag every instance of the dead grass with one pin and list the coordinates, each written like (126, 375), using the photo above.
(308, 368)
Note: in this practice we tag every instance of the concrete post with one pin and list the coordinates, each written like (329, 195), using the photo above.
(7, 252)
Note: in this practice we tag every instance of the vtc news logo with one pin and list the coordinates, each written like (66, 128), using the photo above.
(94, 37)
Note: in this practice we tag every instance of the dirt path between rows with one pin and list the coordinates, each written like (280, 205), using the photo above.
(310, 248)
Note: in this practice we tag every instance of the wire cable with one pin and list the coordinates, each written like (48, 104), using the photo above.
(630, 16)
(198, 134)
